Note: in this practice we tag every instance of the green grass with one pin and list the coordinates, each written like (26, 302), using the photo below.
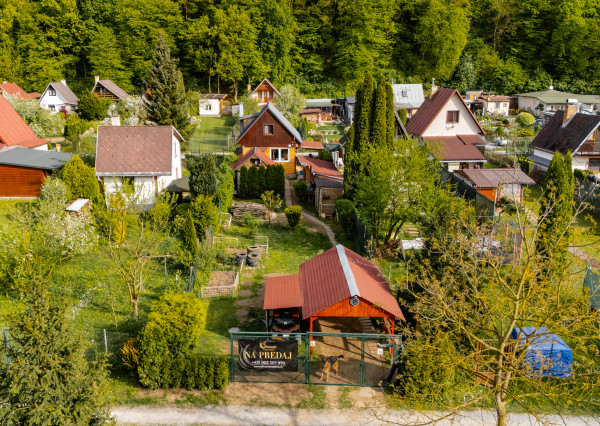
(331, 131)
(317, 399)
(345, 402)
(8, 208)
(211, 135)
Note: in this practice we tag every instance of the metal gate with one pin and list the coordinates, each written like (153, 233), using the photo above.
(362, 361)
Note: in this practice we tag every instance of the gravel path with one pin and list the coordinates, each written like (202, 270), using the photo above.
(308, 216)
(228, 415)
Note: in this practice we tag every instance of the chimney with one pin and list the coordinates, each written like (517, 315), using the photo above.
(433, 88)
(115, 120)
(570, 111)
(4, 82)
(96, 79)
(64, 82)
(551, 87)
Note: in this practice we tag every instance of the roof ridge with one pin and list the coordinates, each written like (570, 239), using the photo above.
(350, 280)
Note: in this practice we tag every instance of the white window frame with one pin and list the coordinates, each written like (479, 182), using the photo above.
(270, 127)
(279, 156)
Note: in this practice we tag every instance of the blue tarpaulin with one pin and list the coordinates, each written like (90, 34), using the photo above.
(546, 353)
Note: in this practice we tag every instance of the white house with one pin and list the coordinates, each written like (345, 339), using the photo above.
(494, 104)
(446, 123)
(548, 102)
(264, 93)
(211, 104)
(149, 157)
(566, 131)
(408, 96)
(58, 97)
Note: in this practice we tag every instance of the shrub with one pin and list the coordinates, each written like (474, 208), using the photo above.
(154, 355)
(189, 379)
(499, 130)
(525, 119)
(276, 179)
(204, 177)
(75, 127)
(130, 354)
(403, 113)
(325, 155)
(80, 179)
(526, 132)
(253, 184)
(251, 222)
(221, 372)
(190, 238)
(505, 121)
(224, 195)
(293, 215)
(509, 206)
(582, 174)
(205, 215)
(178, 372)
(243, 184)
(92, 108)
(346, 213)
(261, 179)
(537, 128)
(300, 189)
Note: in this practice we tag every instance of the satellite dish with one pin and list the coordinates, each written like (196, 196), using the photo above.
(354, 301)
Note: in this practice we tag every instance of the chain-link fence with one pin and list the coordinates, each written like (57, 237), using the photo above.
(338, 359)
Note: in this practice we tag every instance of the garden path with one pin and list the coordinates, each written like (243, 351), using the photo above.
(308, 216)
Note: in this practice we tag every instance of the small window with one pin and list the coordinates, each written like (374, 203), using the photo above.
(452, 117)
(52, 92)
(268, 129)
(404, 93)
(280, 154)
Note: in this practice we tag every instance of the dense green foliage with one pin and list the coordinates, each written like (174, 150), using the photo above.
(80, 179)
(525, 119)
(48, 380)
(254, 181)
(91, 107)
(346, 213)
(43, 123)
(189, 236)
(75, 127)
(293, 215)
(224, 196)
(300, 190)
(318, 45)
(203, 179)
(205, 215)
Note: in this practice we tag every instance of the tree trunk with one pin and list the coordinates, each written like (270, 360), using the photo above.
(500, 410)
(134, 303)
(235, 91)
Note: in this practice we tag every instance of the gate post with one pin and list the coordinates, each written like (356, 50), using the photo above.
(231, 366)
(307, 350)
(362, 361)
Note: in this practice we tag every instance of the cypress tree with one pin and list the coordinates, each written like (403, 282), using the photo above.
(279, 186)
(379, 113)
(204, 177)
(349, 164)
(262, 179)
(166, 95)
(253, 182)
(243, 186)
(364, 98)
(391, 115)
(190, 237)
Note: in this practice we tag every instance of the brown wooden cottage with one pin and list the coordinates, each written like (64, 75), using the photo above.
(106, 89)
(272, 134)
(264, 93)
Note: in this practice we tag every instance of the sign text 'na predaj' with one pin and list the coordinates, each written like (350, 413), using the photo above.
(271, 355)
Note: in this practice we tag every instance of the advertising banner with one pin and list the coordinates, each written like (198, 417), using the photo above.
(269, 355)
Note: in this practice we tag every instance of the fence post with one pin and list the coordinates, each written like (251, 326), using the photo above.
(362, 360)
(306, 358)
(231, 366)
(105, 341)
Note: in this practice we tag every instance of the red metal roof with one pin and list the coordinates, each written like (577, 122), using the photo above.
(251, 153)
(13, 130)
(282, 292)
(324, 283)
(431, 108)
(312, 145)
(135, 150)
(320, 167)
(13, 89)
(452, 148)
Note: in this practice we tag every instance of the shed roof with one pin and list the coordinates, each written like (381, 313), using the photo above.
(13, 89)
(453, 148)
(493, 178)
(320, 167)
(282, 292)
(248, 155)
(77, 205)
(319, 103)
(64, 92)
(112, 88)
(278, 115)
(214, 95)
(13, 130)
(312, 145)
(329, 183)
(135, 150)
(408, 96)
(431, 108)
(555, 137)
(558, 97)
(33, 158)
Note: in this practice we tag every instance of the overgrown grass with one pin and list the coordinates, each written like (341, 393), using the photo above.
(211, 135)
(345, 402)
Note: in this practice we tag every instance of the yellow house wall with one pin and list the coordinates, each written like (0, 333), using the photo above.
(289, 166)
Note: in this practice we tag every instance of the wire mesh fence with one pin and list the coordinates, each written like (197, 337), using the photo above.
(337, 359)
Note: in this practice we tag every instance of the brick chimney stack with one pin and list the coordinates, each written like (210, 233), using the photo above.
(570, 111)
(64, 82)
(433, 88)
(96, 79)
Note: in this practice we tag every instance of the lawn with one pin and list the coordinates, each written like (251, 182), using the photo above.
(330, 131)
(212, 135)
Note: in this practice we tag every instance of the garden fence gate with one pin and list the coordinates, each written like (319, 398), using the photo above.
(297, 358)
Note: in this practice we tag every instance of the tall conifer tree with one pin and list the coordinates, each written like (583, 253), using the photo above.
(391, 115)
(166, 95)
(379, 113)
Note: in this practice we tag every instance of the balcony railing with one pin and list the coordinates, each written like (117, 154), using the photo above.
(589, 148)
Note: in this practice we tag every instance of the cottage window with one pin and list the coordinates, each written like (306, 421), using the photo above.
(452, 116)
(268, 129)
(404, 93)
(52, 92)
(208, 107)
(280, 154)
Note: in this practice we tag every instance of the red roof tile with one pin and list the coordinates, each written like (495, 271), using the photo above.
(472, 139)
(13, 89)
(312, 145)
(13, 130)
(320, 167)
(260, 154)
(452, 148)
(282, 292)
(493, 178)
(431, 108)
(135, 150)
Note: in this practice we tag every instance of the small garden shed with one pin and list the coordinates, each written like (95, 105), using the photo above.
(327, 191)
(545, 353)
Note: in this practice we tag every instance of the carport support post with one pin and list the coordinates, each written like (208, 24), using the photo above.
(307, 350)
(310, 335)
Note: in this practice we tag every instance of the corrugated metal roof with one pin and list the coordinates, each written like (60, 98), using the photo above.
(452, 148)
(558, 97)
(13, 130)
(329, 183)
(408, 96)
(34, 158)
(135, 150)
(494, 178)
(283, 292)
(320, 167)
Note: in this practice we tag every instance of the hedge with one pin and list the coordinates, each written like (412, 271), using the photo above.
(256, 180)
